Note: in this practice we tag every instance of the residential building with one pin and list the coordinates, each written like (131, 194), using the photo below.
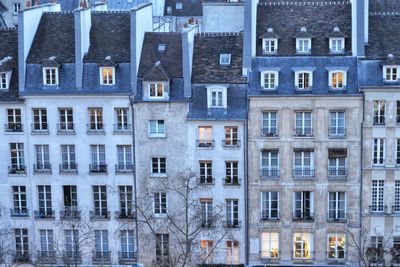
(9, 12)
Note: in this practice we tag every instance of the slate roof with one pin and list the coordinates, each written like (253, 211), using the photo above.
(55, 37)
(287, 17)
(9, 61)
(207, 50)
(109, 36)
(2, 7)
(120, 4)
(66, 5)
(384, 5)
(171, 59)
(190, 8)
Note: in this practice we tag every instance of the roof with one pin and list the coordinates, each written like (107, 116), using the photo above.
(119, 4)
(207, 49)
(9, 61)
(190, 8)
(384, 5)
(109, 36)
(55, 37)
(286, 18)
(3, 8)
(171, 59)
(66, 5)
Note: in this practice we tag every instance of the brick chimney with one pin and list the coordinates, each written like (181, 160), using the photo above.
(83, 4)
(28, 3)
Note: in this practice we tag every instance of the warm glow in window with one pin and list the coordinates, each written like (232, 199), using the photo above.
(107, 76)
(156, 90)
(337, 80)
(270, 245)
(336, 246)
(302, 246)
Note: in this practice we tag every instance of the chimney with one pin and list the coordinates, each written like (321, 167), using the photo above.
(82, 24)
(37, 2)
(359, 17)
(28, 3)
(187, 58)
(141, 22)
(28, 22)
(83, 4)
(249, 39)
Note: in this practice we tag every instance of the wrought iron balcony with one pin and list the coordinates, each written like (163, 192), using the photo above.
(44, 214)
(303, 132)
(99, 215)
(17, 169)
(303, 255)
(19, 212)
(270, 255)
(68, 168)
(21, 257)
(122, 128)
(206, 180)
(13, 127)
(40, 128)
(272, 215)
(229, 181)
(127, 257)
(269, 172)
(231, 143)
(70, 213)
(270, 131)
(303, 216)
(337, 132)
(205, 143)
(207, 223)
(98, 168)
(95, 128)
(66, 128)
(303, 172)
(42, 168)
(337, 172)
(336, 216)
(46, 256)
(124, 168)
(125, 215)
(101, 257)
(70, 257)
(232, 224)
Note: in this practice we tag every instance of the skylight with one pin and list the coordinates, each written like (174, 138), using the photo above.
(161, 48)
(225, 59)
(178, 5)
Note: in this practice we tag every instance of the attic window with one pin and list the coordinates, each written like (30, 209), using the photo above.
(161, 48)
(225, 59)
(303, 45)
(336, 45)
(4, 80)
(178, 5)
(50, 76)
(107, 76)
(390, 73)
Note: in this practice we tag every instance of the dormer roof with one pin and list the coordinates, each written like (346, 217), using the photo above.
(270, 33)
(51, 62)
(9, 61)
(336, 33)
(108, 62)
(303, 33)
(390, 60)
(157, 73)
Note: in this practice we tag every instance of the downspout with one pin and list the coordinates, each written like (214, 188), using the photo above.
(131, 99)
(361, 167)
(246, 184)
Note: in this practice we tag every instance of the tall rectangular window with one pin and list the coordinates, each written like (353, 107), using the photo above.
(162, 249)
(96, 119)
(122, 122)
(303, 163)
(21, 243)
(71, 243)
(303, 206)
(45, 205)
(19, 200)
(124, 158)
(66, 119)
(337, 162)
(156, 90)
(396, 206)
(17, 158)
(377, 244)
(217, 98)
(269, 205)
(231, 173)
(40, 119)
(304, 80)
(269, 80)
(206, 247)
(378, 188)
(102, 250)
(156, 128)
(270, 163)
(270, 124)
(397, 112)
(50, 76)
(270, 45)
(336, 246)
(337, 123)
(232, 212)
(160, 203)
(269, 245)
(206, 205)
(3, 81)
(337, 206)
(42, 158)
(231, 136)
(107, 76)
(100, 200)
(46, 243)
(127, 244)
(398, 152)
(303, 123)
(126, 201)
(158, 165)
(98, 158)
(379, 152)
(14, 121)
(205, 136)
(232, 252)
(70, 198)
(68, 161)
(206, 172)
(303, 246)
(379, 112)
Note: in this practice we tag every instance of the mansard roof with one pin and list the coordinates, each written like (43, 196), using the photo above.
(109, 36)
(384, 5)
(9, 61)
(318, 17)
(190, 8)
(55, 37)
(206, 58)
(170, 59)
(157, 73)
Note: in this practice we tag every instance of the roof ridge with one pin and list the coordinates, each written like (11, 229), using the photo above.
(384, 13)
(59, 12)
(110, 11)
(305, 3)
(4, 29)
(218, 34)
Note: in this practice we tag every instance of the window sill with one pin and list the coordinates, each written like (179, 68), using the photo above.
(127, 131)
(160, 215)
(158, 175)
(337, 136)
(66, 132)
(40, 132)
(157, 136)
(95, 132)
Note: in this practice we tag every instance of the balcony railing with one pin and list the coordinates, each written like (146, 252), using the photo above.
(68, 168)
(17, 169)
(270, 255)
(269, 132)
(336, 216)
(127, 257)
(229, 181)
(21, 257)
(101, 257)
(377, 208)
(272, 215)
(13, 127)
(19, 212)
(303, 172)
(95, 128)
(43, 214)
(305, 255)
(337, 172)
(46, 256)
(99, 215)
(337, 132)
(232, 224)
(270, 172)
(124, 168)
(163, 261)
(205, 143)
(231, 143)
(379, 120)
(98, 168)
(207, 223)
(303, 216)
(40, 128)
(303, 132)
(66, 128)
(70, 212)
(208, 180)
(122, 128)
(70, 257)
(125, 215)
(41, 168)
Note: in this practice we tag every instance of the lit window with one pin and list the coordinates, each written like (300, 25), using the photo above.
(269, 80)
(303, 45)
(232, 252)
(225, 59)
(270, 46)
(207, 249)
(270, 245)
(303, 246)
(50, 76)
(336, 45)
(178, 5)
(336, 246)
(390, 73)
(156, 90)
(303, 80)
(107, 76)
(337, 79)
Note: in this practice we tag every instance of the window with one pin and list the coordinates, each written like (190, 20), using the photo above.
(216, 97)
(396, 242)
(14, 120)
(21, 243)
(303, 45)
(95, 119)
(303, 163)
(206, 247)
(303, 80)
(337, 79)
(122, 119)
(270, 163)
(3, 81)
(42, 158)
(66, 119)
(396, 206)
(337, 206)
(161, 48)
(269, 80)
(303, 246)
(40, 119)
(156, 90)
(231, 173)
(127, 244)
(378, 188)
(126, 201)
(379, 112)
(398, 112)
(157, 128)
(225, 59)
(337, 123)
(303, 206)
(379, 152)
(206, 172)
(160, 203)
(337, 158)
(68, 161)
(269, 205)
(45, 205)
(377, 244)
(158, 165)
(19, 200)
(71, 244)
(336, 246)
(390, 73)
(270, 46)
(232, 252)
(162, 249)
(46, 243)
(101, 246)
(100, 200)
(270, 124)
(50, 76)
(269, 245)
(303, 123)
(107, 76)
(206, 205)
(70, 198)
(205, 137)
(124, 158)
(17, 158)
(16, 7)
(336, 45)
(232, 213)
(231, 136)
(178, 5)
(98, 159)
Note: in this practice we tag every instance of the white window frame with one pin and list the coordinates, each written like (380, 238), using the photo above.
(232, 216)
(44, 196)
(390, 68)
(232, 252)
(50, 70)
(300, 43)
(216, 89)
(269, 241)
(268, 210)
(331, 85)
(46, 241)
(334, 130)
(378, 196)
(159, 198)
(336, 209)
(124, 157)
(380, 143)
(336, 236)
(311, 248)
(108, 69)
(127, 239)
(156, 83)
(297, 75)
(101, 243)
(302, 200)
(269, 73)
(267, 155)
(5, 80)
(332, 44)
(159, 130)
(158, 169)
(100, 205)
(206, 207)
(272, 47)
(16, 7)
(225, 59)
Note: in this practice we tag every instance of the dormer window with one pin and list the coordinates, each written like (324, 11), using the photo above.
(337, 79)
(270, 46)
(303, 80)
(107, 76)
(390, 73)
(225, 59)
(216, 97)
(269, 80)
(336, 45)
(4, 80)
(161, 48)
(50, 76)
(156, 90)
(303, 45)
(178, 5)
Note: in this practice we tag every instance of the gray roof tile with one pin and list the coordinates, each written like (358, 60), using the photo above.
(190, 8)
(9, 57)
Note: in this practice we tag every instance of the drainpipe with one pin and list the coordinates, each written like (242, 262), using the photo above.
(361, 166)
(246, 184)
